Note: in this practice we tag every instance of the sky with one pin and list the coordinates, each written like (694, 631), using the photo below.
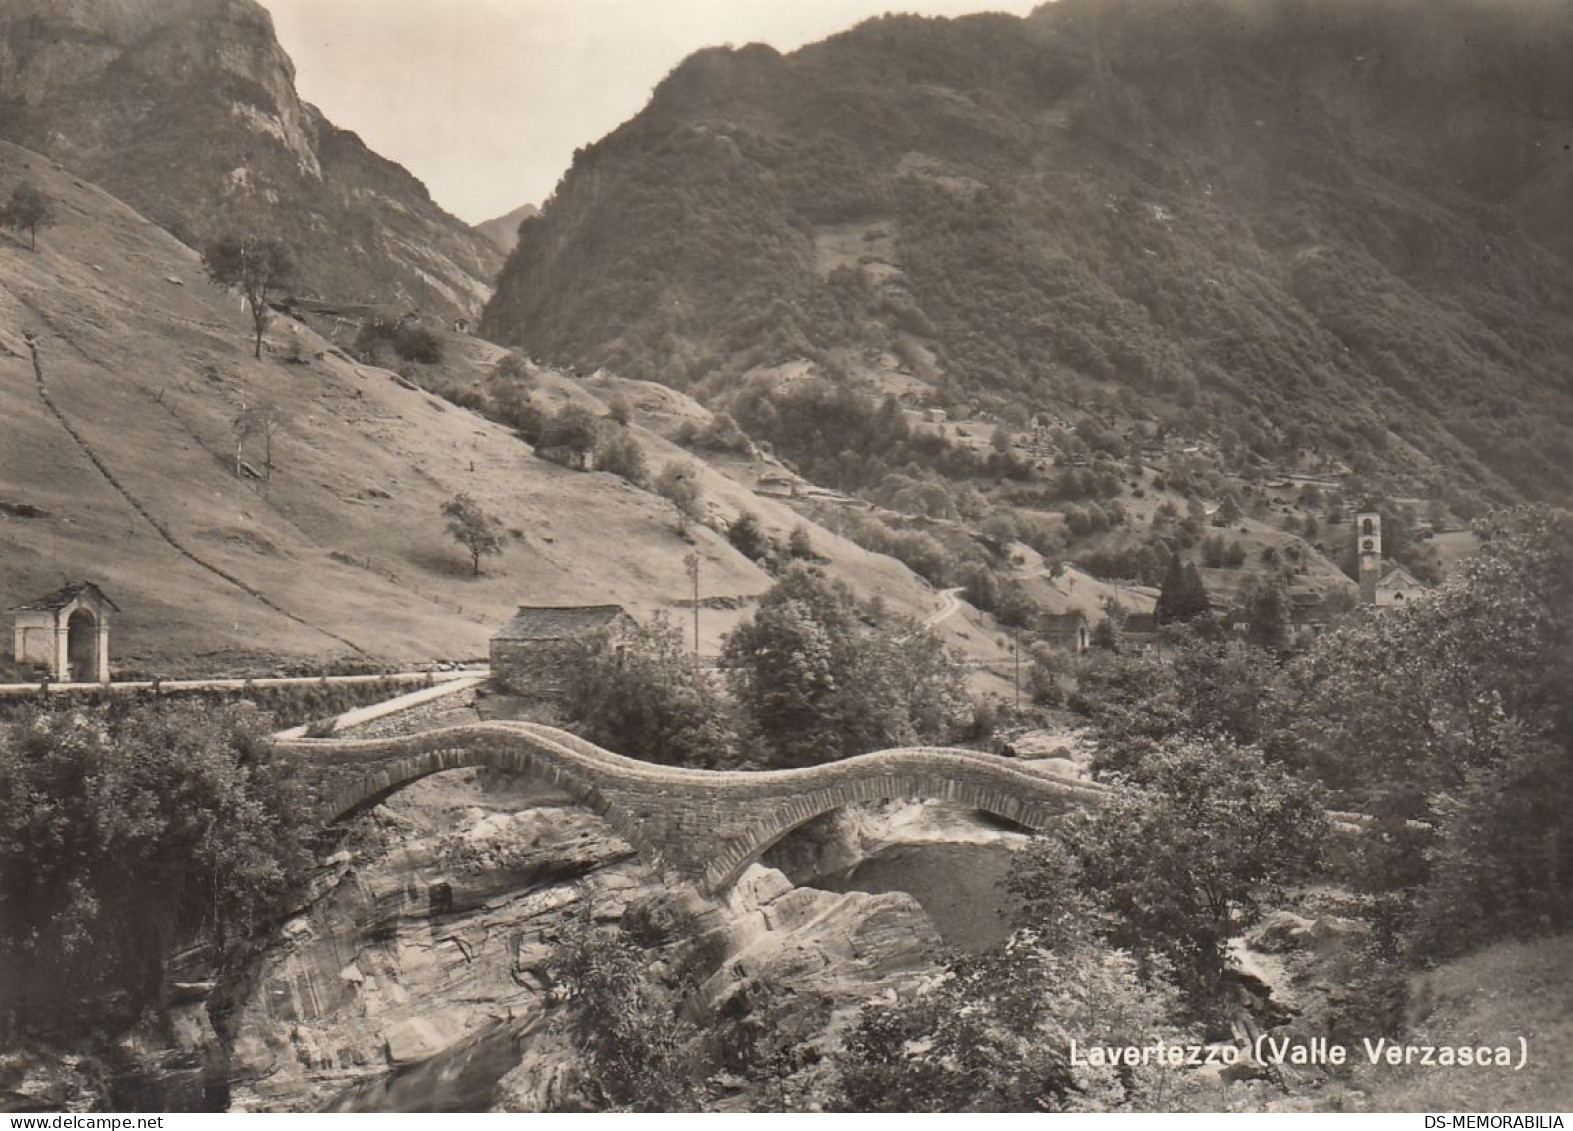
(486, 100)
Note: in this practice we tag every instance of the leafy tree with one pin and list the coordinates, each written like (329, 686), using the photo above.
(678, 483)
(1182, 596)
(473, 528)
(1175, 863)
(1106, 634)
(514, 368)
(1199, 689)
(643, 695)
(28, 210)
(748, 537)
(1266, 608)
(510, 391)
(620, 410)
(123, 832)
(262, 419)
(800, 545)
(814, 684)
(1458, 711)
(570, 436)
(1229, 512)
(618, 453)
(625, 1023)
(414, 342)
(994, 1034)
(260, 266)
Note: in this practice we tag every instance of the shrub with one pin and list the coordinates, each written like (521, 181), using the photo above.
(125, 832)
(618, 453)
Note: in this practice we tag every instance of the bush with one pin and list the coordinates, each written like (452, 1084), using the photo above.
(748, 537)
(618, 453)
(994, 1034)
(124, 833)
(417, 343)
(1175, 863)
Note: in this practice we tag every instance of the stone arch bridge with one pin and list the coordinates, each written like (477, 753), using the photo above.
(707, 825)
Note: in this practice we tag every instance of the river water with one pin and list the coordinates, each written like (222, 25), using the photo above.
(961, 887)
(462, 1078)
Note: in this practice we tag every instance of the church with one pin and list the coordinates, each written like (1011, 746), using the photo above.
(1379, 588)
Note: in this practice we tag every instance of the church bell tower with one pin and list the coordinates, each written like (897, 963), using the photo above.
(1368, 546)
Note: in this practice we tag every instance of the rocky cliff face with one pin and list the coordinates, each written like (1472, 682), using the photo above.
(431, 937)
(187, 110)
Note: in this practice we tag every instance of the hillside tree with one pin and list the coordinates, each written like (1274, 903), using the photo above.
(28, 210)
(473, 528)
(259, 267)
(261, 420)
(678, 484)
(570, 437)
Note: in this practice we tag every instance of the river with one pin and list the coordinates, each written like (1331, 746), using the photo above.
(961, 886)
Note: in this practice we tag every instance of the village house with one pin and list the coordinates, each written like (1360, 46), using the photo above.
(1069, 631)
(66, 633)
(1140, 630)
(1398, 586)
(778, 484)
(530, 654)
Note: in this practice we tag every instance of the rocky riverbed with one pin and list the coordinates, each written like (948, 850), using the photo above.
(428, 938)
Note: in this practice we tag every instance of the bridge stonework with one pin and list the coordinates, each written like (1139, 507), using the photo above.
(707, 825)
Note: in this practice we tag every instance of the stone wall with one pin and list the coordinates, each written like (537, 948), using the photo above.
(533, 669)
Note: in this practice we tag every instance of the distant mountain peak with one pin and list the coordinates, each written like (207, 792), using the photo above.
(504, 230)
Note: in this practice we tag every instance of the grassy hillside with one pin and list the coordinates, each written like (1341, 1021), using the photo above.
(133, 483)
(1284, 227)
(1492, 998)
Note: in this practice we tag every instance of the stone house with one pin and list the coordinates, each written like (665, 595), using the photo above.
(1140, 630)
(530, 654)
(66, 633)
(1067, 630)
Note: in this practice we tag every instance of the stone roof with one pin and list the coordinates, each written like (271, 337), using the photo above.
(1063, 622)
(559, 622)
(62, 597)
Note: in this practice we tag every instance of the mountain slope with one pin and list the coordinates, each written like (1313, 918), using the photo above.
(187, 110)
(504, 230)
(1287, 224)
(119, 466)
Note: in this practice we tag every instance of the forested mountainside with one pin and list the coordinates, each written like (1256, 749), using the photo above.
(187, 110)
(1286, 225)
(504, 230)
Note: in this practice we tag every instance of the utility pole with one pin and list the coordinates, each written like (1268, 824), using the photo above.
(691, 564)
(1015, 649)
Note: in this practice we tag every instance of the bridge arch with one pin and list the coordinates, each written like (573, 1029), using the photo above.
(408, 762)
(705, 824)
(737, 853)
